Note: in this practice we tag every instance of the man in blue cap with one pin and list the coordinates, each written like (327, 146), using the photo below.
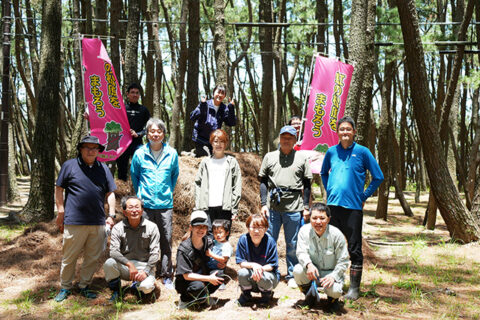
(285, 185)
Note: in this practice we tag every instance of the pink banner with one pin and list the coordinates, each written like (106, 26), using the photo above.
(326, 104)
(107, 115)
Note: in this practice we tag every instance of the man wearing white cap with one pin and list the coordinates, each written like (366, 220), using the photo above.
(284, 175)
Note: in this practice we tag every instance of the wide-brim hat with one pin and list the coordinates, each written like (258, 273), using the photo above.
(199, 218)
(90, 139)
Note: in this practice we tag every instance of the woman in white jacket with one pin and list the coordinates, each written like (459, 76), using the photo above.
(218, 184)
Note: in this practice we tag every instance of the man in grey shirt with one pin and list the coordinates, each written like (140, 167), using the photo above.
(323, 258)
(134, 250)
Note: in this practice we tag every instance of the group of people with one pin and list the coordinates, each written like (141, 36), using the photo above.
(320, 239)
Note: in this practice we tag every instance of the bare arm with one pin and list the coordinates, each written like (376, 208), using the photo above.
(111, 208)
(212, 278)
(60, 208)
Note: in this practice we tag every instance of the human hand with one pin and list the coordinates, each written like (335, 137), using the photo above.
(213, 279)
(327, 281)
(234, 216)
(140, 276)
(231, 101)
(132, 270)
(110, 222)
(203, 99)
(265, 212)
(306, 215)
(221, 265)
(59, 220)
(86, 116)
(312, 272)
(133, 133)
(257, 272)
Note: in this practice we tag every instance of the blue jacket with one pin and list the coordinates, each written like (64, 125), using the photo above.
(154, 182)
(343, 175)
(207, 120)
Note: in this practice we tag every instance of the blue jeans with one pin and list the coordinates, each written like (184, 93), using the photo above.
(291, 224)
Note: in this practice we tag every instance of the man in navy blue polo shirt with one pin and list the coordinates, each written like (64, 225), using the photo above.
(81, 214)
(343, 174)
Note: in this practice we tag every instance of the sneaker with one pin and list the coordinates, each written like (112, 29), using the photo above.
(87, 293)
(292, 284)
(62, 295)
(183, 304)
(167, 282)
(222, 287)
(266, 297)
(244, 298)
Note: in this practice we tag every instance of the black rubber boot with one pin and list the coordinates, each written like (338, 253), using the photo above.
(334, 305)
(304, 288)
(355, 279)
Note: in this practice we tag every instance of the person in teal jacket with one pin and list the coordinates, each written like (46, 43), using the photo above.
(154, 173)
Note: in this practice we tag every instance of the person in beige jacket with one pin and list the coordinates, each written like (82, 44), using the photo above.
(218, 184)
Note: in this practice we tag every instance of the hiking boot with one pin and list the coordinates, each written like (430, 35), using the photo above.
(62, 295)
(292, 284)
(266, 297)
(355, 279)
(87, 293)
(244, 298)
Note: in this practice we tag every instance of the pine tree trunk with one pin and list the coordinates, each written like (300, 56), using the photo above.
(193, 70)
(460, 222)
(219, 43)
(131, 44)
(40, 205)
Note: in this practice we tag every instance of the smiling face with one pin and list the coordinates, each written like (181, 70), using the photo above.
(218, 96)
(287, 142)
(220, 234)
(199, 231)
(133, 212)
(133, 95)
(218, 146)
(346, 133)
(155, 135)
(89, 152)
(319, 221)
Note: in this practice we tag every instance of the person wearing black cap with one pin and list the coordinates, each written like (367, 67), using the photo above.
(284, 174)
(195, 282)
(81, 214)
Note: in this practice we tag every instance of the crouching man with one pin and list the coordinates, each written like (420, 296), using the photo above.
(134, 250)
(323, 258)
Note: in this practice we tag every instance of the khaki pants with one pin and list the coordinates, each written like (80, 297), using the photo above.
(114, 269)
(78, 238)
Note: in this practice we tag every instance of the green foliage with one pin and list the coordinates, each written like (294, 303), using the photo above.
(113, 127)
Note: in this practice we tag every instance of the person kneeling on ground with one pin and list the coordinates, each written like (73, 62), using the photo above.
(258, 258)
(194, 280)
(323, 258)
(134, 250)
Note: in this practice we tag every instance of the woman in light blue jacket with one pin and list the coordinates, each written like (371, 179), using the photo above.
(154, 173)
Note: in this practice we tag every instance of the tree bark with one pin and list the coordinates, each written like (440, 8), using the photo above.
(321, 15)
(40, 204)
(175, 137)
(219, 42)
(193, 70)
(131, 45)
(266, 46)
(459, 221)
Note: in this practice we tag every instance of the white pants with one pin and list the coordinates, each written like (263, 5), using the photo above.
(114, 269)
(300, 276)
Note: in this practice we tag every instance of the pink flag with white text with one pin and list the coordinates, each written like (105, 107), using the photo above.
(326, 105)
(107, 115)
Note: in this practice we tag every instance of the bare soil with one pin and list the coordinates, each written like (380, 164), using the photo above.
(409, 273)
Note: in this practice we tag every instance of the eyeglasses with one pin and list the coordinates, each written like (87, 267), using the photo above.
(257, 229)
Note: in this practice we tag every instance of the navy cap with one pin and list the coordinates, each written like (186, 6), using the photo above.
(288, 129)
(90, 139)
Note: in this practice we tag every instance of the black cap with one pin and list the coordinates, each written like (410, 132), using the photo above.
(90, 139)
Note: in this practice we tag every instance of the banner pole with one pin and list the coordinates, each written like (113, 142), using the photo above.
(84, 102)
(307, 93)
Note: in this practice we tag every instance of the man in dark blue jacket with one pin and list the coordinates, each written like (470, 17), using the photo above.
(343, 173)
(209, 116)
